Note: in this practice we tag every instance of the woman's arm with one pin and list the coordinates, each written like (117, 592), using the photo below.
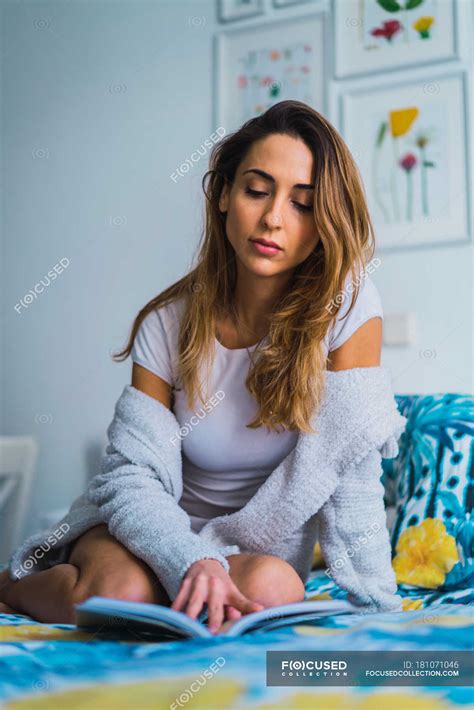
(362, 349)
(135, 499)
(151, 384)
(137, 494)
(352, 524)
(199, 583)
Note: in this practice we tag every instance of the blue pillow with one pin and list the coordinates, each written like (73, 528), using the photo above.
(431, 485)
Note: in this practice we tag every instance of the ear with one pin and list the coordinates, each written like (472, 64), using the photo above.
(224, 198)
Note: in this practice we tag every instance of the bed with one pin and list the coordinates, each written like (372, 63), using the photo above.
(57, 666)
(429, 491)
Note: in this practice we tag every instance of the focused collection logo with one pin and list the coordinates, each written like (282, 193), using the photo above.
(314, 667)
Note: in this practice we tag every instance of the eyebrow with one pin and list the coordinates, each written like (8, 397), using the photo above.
(270, 178)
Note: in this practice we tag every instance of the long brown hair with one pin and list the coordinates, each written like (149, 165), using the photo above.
(287, 378)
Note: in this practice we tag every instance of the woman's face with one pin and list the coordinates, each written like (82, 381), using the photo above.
(271, 199)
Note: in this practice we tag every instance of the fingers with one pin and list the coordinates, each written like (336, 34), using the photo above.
(232, 613)
(182, 594)
(221, 595)
(193, 596)
(215, 603)
(198, 596)
(251, 607)
(246, 606)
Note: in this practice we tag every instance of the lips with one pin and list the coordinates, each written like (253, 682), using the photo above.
(265, 249)
(267, 244)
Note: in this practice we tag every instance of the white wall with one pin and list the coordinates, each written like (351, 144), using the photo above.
(102, 101)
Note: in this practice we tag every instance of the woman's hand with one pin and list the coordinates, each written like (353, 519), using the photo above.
(207, 581)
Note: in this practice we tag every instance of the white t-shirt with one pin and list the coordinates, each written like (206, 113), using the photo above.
(224, 462)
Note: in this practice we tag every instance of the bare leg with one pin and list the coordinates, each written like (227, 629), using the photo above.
(266, 579)
(41, 595)
(98, 565)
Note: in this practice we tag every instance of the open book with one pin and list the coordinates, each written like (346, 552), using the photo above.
(104, 614)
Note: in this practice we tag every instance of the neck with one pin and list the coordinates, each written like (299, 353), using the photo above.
(255, 298)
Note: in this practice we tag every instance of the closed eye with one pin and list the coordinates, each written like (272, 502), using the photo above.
(257, 193)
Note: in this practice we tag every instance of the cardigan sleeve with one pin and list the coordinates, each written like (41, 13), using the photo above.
(354, 537)
(139, 512)
(137, 495)
(148, 520)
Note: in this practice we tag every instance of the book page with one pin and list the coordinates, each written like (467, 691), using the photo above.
(260, 619)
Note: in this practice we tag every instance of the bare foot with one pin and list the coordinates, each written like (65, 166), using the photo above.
(4, 609)
(5, 582)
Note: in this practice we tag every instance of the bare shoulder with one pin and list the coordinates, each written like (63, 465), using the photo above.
(362, 349)
(151, 384)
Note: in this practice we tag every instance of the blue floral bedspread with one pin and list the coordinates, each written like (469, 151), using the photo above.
(56, 666)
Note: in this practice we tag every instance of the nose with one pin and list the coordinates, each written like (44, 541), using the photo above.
(272, 219)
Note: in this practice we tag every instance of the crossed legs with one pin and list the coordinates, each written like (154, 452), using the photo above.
(100, 565)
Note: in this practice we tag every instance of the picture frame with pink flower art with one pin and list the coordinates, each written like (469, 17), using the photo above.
(410, 143)
(258, 66)
(381, 35)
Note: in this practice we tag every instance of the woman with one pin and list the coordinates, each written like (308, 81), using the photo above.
(275, 299)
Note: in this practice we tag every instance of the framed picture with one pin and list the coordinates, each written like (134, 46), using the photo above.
(257, 67)
(410, 142)
(229, 10)
(378, 35)
(287, 3)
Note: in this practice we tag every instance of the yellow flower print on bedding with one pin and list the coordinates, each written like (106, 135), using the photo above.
(425, 554)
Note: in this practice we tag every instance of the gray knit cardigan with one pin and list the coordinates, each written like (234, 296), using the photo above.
(327, 486)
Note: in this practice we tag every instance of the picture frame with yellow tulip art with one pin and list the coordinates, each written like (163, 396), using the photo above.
(411, 145)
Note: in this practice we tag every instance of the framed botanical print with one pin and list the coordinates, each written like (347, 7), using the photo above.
(376, 35)
(287, 3)
(410, 142)
(229, 10)
(259, 66)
